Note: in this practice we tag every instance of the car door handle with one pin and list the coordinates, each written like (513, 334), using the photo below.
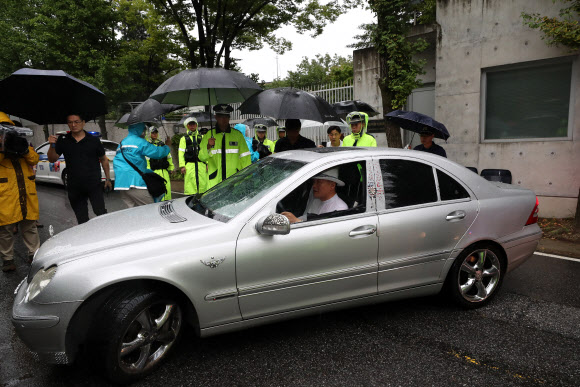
(455, 215)
(363, 230)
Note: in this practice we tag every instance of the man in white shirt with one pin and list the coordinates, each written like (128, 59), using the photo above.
(323, 198)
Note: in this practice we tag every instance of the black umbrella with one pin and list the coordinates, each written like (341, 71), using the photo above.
(48, 96)
(345, 107)
(150, 111)
(122, 122)
(202, 118)
(251, 122)
(205, 86)
(287, 102)
(414, 122)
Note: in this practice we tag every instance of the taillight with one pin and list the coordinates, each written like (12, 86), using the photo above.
(534, 215)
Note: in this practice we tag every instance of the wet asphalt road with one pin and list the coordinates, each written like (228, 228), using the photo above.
(529, 335)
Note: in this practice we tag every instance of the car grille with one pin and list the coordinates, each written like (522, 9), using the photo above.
(166, 211)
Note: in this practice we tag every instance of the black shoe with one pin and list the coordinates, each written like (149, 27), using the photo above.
(8, 266)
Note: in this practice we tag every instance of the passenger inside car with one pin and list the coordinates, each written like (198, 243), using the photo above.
(335, 192)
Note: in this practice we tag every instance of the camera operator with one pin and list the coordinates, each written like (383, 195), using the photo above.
(18, 199)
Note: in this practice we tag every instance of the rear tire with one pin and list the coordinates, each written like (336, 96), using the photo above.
(476, 275)
(137, 330)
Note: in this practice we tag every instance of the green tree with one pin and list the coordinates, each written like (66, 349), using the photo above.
(122, 47)
(563, 31)
(321, 70)
(398, 69)
(147, 53)
(211, 29)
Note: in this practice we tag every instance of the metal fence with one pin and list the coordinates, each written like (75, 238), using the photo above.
(333, 92)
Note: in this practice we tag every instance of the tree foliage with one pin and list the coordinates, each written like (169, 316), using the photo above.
(558, 31)
(122, 47)
(211, 29)
(399, 70)
(323, 69)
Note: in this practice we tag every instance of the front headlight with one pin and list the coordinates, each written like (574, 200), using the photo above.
(39, 282)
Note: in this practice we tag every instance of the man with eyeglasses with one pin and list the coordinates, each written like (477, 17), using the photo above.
(84, 154)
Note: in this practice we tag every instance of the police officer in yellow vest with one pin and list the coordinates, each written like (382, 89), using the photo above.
(195, 171)
(261, 144)
(358, 124)
(163, 166)
(225, 150)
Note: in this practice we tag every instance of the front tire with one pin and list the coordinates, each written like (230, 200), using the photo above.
(476, 276)
(137, 331)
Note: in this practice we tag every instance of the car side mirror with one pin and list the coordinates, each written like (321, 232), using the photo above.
(273, 224)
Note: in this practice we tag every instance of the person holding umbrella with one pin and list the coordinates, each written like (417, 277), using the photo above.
(84, 156)
(227, 152)
(164, 166)
(358, 124)
(194, 170)
(427, 143)
(261, 144)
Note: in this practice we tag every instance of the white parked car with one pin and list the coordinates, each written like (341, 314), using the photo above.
(56, 172)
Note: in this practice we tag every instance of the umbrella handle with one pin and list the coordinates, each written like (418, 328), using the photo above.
(410, 142)
(165, 130)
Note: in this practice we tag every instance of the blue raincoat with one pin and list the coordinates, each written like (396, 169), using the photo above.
(135, 149)
(242, 129)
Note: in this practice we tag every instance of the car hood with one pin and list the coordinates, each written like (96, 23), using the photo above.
(121, 228)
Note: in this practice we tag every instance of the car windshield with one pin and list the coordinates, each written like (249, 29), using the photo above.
(243, 189)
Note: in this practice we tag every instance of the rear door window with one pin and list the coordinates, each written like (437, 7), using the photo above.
(450, 188)
(407, 183)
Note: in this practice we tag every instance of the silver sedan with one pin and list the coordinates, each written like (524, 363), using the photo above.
(125, 284)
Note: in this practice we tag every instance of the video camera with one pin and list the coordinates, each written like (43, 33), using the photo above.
(13, 139)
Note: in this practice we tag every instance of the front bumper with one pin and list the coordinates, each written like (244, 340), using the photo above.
(42, 327)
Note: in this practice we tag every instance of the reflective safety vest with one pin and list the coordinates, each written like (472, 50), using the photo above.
(195, 180)
(229, 155)
(157, 164)
(362, 138)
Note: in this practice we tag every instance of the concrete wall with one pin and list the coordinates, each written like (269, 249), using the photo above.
(478, 34)
(366, 73)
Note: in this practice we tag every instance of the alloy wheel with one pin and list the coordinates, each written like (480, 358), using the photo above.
(149, 337)
(479, 275)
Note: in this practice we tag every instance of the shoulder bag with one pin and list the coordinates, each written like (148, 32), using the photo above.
(155, 183)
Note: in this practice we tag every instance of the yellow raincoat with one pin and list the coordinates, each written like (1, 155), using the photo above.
(18, 199)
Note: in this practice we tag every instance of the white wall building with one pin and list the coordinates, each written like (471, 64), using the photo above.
(508, 99)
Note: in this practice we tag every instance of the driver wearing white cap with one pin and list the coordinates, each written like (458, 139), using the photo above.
(323, 198)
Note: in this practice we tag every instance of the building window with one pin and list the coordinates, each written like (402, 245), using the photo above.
(529, 102)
